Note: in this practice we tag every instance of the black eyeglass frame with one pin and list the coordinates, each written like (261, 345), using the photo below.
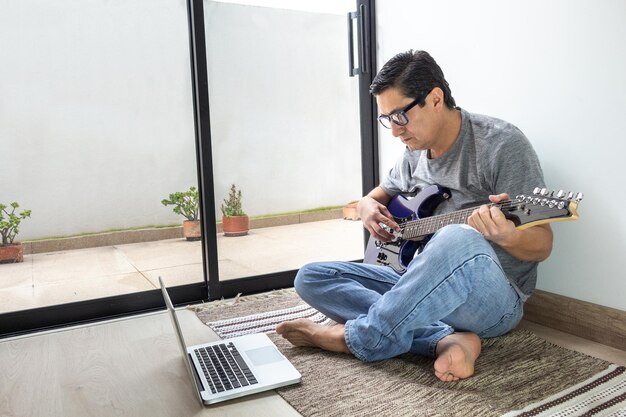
(394, 117)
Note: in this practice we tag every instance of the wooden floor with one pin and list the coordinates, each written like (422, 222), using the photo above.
(133, 367)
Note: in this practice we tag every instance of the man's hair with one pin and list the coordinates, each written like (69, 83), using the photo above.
(415, 74)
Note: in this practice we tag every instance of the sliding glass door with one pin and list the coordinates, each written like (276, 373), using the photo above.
(284, 133)
(103, 127)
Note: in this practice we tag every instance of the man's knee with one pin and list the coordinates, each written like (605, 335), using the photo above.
(311, 278)
(459, 234)
(306, 277)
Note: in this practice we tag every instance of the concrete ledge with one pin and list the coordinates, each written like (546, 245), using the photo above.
(297, 218)
(103, 239)
(154, 234)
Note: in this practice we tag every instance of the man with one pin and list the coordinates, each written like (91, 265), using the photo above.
(470, 281)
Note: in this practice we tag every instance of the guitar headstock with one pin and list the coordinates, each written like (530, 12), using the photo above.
(542, 207)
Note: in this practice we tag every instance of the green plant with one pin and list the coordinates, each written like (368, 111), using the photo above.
(185, 203)
(9, 222)
(232, 204)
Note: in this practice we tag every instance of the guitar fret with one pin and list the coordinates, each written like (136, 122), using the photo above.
(429, 225)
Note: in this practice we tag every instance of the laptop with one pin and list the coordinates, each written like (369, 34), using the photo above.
(235, 367)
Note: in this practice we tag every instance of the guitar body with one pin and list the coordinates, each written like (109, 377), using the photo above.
(399, 253)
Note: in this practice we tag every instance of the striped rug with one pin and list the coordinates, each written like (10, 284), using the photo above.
(266, 322)
(516, 375)
(604, 394)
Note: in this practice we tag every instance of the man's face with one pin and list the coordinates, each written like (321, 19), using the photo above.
(420, 131)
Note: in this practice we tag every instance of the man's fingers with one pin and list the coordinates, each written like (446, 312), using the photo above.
(499, 197)
(476, 221)
(379, 233)
(380, 227)
(388, 219)
(497, 215)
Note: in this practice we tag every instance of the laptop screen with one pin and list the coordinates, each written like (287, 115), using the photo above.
(179, 336)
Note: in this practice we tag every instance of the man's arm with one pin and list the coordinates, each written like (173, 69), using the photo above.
(373, 211)
(532, 244)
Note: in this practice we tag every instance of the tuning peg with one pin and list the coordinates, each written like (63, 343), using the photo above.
(579, 196)
(544, 191)
(560, 194)
(570, 195)
(552, 203)
(536, 191)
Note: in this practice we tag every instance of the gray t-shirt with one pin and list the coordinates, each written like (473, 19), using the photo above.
(490, 156)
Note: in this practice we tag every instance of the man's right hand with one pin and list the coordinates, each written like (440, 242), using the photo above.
(373, 214)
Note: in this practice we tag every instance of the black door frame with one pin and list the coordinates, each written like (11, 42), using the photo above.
(88, 311)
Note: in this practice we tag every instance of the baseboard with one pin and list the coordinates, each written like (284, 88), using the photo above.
(601, 324)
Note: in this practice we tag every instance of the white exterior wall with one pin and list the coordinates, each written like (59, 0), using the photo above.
(556, 70)
(96, 118)
(284, 112)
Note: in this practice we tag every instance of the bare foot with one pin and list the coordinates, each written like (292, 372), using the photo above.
(303, 332)
(456, 355)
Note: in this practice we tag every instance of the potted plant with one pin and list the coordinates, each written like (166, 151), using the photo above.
(11, 252)
(187, 204)
(349, 211)
(234, 219)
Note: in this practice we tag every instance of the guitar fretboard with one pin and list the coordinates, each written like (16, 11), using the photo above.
(414, 229)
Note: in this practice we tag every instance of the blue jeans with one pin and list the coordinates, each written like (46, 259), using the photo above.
(455, 284)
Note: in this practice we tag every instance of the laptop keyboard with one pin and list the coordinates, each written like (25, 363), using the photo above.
(224, 367)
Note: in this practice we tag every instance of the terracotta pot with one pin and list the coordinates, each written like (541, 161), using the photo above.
(191, 229)
(349, 211)
(235, 225)
(12, 253)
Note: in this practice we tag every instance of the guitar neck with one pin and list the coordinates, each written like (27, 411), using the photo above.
(523, 211)
(415, 229)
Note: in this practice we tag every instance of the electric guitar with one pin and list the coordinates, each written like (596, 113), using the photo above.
(417, 224)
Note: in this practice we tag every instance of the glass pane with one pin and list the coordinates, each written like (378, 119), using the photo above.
(285, 131)
(96, 125)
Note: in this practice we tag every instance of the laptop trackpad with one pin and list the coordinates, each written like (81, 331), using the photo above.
(264, 355)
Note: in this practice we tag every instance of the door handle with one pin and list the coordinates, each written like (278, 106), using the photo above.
(362, 19)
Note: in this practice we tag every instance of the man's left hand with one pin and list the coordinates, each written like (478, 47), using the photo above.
(490, 221)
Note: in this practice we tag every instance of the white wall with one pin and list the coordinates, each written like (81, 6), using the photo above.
(96, 121)
(340, 7)
(557, 70)
(96, 118)
(284, 112)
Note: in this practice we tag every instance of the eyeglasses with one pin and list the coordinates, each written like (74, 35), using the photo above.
(399, 117)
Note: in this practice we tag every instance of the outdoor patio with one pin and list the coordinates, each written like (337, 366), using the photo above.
(60, 277)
